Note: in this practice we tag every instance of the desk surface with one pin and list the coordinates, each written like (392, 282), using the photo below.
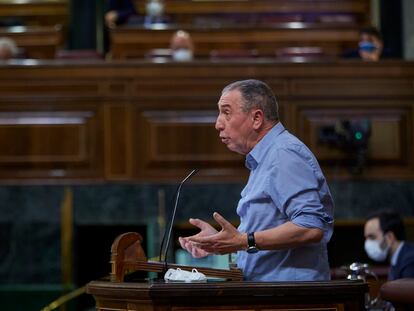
(327, 295)
(228, 288)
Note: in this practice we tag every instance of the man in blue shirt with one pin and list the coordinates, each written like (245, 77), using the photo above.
(286, 210)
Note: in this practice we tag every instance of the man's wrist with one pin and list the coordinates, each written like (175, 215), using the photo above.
(244, 242)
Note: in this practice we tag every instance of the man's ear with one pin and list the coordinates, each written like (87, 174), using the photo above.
(258, 118)
(390, 237)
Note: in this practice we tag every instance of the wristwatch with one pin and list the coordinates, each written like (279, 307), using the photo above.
(251, 243)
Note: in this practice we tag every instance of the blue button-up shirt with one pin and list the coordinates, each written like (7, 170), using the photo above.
(285, 184)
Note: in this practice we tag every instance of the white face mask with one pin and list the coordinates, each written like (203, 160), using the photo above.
(182, 55)
(154, 8)
(375, 251)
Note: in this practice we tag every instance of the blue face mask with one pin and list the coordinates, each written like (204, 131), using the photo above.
(367, 46)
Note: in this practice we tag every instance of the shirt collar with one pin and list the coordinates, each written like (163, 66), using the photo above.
(255, 156)
(394, 257)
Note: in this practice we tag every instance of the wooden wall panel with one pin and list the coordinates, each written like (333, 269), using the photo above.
(35, 12)
(37, 42)
(389, 147)
(206, 89)
(190, 11)
(261, 6)
(117, 142)
(50, 141)
(352, 87)
(37, 139)
(49, 88)
(144, 121)
(169, 142)
(136, 42)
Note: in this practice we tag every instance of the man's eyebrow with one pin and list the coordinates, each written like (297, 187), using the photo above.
(224, 106)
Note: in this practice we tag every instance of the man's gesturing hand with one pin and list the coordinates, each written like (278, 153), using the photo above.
(227, 240)
(192, 248)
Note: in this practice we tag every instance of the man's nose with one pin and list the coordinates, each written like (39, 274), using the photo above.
(219, 124)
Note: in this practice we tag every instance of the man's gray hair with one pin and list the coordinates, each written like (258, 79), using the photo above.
(256, 94)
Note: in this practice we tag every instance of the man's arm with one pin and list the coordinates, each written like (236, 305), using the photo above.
(287, 235)
(229, 239)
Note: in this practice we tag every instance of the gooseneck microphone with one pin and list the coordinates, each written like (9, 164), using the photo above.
(167, 234)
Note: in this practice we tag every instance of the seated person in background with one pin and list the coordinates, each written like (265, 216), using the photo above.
(385, 239)
(370, 46)
(8, 49)
(154, 13)
(119, 12)
(181, 46)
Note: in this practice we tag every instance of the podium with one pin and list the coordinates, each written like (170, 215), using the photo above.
(229, 295)
(127, 256)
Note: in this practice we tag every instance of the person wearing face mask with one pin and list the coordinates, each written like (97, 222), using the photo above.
(182, 47)
(385, 239)
(370, 46)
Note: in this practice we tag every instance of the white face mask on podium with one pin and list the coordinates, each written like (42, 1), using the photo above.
(375, 251)
(178, 275)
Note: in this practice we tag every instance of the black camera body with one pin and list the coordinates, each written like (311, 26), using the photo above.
(351, 136)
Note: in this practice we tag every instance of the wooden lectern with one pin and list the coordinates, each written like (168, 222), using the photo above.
(128, 256)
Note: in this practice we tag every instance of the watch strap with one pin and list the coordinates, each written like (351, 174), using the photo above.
(251, 242)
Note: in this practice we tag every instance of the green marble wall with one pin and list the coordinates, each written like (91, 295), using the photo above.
(30, 216)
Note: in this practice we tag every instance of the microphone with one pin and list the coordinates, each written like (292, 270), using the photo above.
(167, 238)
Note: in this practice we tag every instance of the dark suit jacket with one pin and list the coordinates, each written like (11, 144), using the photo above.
(405, 263)
(124, 8)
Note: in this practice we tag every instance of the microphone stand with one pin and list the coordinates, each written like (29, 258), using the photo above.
(167, 239)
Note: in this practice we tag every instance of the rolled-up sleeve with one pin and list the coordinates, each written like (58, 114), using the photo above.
(295, 188)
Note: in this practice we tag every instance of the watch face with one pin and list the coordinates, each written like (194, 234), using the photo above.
(252, 250)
